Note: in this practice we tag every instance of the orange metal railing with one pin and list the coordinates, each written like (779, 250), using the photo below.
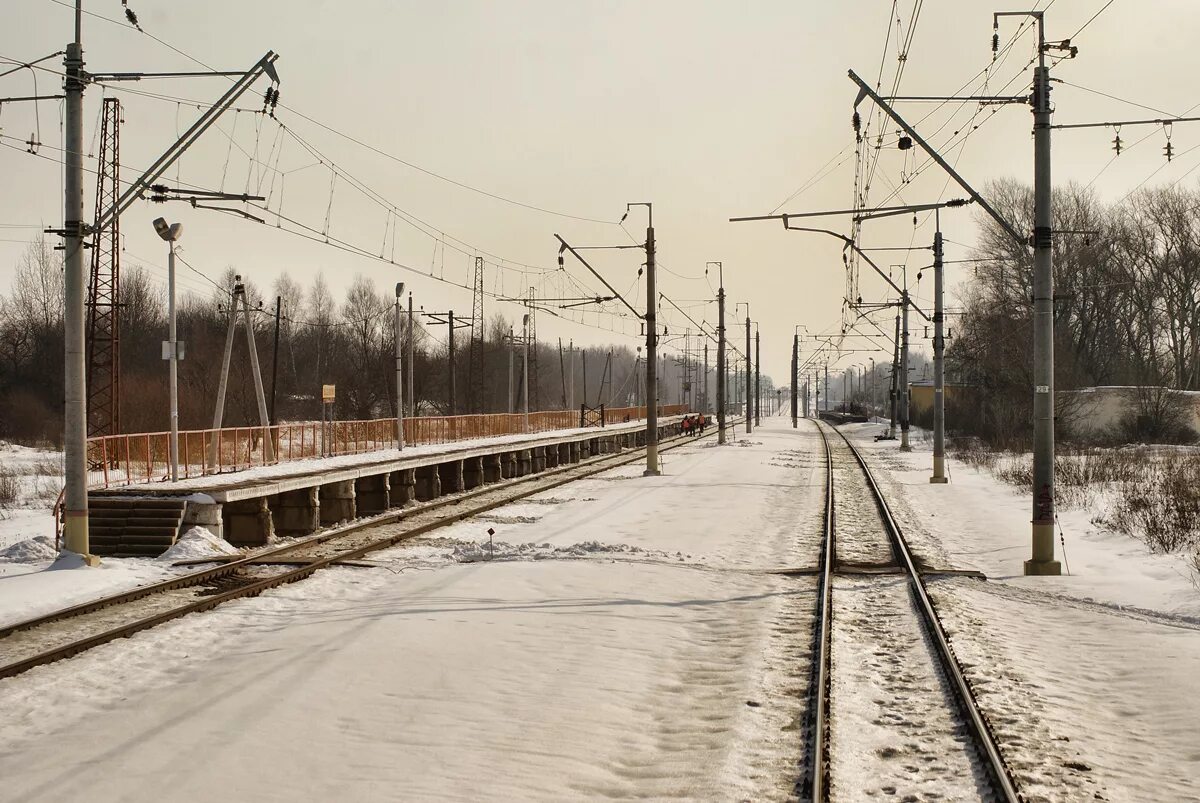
(115, 460)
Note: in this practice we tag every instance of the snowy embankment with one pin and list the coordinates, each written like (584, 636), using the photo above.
(30, 480)
(1091, 680)
(617, 637)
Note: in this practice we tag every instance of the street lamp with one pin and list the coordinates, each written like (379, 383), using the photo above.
(171, 348)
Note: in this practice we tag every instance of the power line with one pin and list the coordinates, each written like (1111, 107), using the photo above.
(367, 146)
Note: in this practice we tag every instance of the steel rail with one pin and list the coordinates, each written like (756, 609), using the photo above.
(575, 472)
(999, 775)
(815, 784)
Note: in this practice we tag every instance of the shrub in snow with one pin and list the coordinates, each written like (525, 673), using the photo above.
(1162, 506)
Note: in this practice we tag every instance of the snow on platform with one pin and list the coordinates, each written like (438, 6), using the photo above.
(636, 646)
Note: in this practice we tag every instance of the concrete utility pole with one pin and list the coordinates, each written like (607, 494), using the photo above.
(511, 348)
(75, 502)
(450, 341)
(704, 405)
(757, 380)
(525, 368)
(749, 389)
(1042, 560)
(795, 380)
(275, 359)
(939, 364)
(399, 372)
(826, 387)
(903, 389)
(873, 409)
(651, 347)
(412, 399)
(571, 375)
(721, 359)
(895, 394)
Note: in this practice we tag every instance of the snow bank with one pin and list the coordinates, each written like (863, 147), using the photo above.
(32, 550)
(198, 543)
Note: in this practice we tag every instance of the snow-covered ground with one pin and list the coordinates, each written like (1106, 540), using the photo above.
(624, 637)
(1092, 680)
(637, 645)
(37, 475)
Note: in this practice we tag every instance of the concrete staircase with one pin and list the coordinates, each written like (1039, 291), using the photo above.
(122, 527)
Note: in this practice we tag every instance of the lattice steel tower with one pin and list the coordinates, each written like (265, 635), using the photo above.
(104, 290)
(475, 365)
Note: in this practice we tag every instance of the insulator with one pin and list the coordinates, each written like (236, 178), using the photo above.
(995, 43)
(1169, 151)
(1117, 144)
(904, 143)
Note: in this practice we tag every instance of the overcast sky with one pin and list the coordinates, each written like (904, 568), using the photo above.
(708, 109)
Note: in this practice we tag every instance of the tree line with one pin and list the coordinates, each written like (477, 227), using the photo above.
(348, 342)
(1126, 310)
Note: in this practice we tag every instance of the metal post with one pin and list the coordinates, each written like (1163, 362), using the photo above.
(1042, 560)
(893, 394)
(826, 387)
(75, 502)
(223, 380)
(571, 375)
(749, 389)
(903, 382)
(450, 340)
(525, 368)
(412, 399)
(795, 380)
(757, 380)
(651, 357)
(275, 355)
(173, 369)
(721, 361)
(873, 409)
(939, 366)
(704, 407)
(268, 446)
(399, 350)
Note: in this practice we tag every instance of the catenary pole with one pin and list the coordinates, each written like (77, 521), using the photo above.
(450, 341)
(651, 352)
(939, 362)
(75, 502)
(1042, 559)
(525, 369)
(275, 358)
(399, 354)
(721, 359)
(749, 375)
(903, 381)
(757, 380)
(795, 380)
(412, 399)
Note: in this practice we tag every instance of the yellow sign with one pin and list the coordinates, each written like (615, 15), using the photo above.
(328, 392)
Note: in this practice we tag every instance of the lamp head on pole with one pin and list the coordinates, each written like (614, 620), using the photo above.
(171, 232)
(399, 289)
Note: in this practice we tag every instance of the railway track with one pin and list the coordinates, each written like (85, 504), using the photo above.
(865, 604)
(70, 631)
